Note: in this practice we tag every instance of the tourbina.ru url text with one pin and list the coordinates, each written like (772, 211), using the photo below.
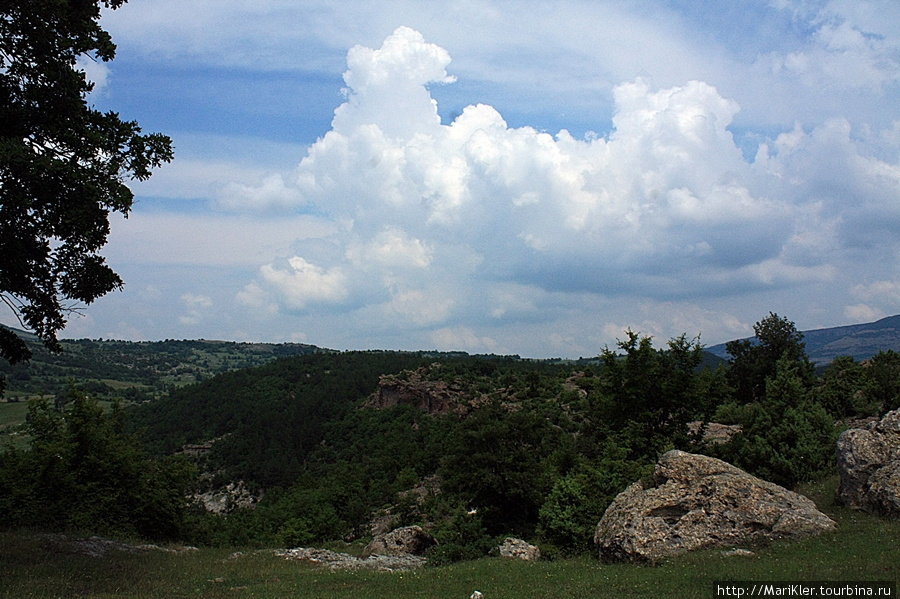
(805, 589)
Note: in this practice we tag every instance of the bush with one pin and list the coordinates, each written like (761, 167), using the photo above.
(461, 535)
(846, 390)
(578, 500)
(884, 373)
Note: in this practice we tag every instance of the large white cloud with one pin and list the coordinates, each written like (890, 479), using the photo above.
(444, 226)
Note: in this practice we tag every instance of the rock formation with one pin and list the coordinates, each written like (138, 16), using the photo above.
(416, 388)
(715, 433)
(227, 499)
(869, 465)
(519, 549)
(409, 540)
(697, 502)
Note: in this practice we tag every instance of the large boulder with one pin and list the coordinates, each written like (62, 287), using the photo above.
(696, 502)
(869, 465)
(409, 540)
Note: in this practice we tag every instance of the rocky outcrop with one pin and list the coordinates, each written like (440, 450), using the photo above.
(869, 465)
(697, 502)
(418, 389)
(518, 549)
(388, 518)
(227, 499)
(409, 540)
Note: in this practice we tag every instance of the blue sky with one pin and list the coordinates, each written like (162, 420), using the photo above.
(507, 177)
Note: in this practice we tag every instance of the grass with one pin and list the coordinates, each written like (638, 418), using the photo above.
(12, 415)
(862, 548)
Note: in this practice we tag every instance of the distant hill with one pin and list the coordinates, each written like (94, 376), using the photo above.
(860, 341)
(134, 369)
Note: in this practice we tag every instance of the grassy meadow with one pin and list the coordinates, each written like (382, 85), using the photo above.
(862, 548)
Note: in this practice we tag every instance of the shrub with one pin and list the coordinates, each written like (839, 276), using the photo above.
(569, 516)
(461, 535)
(787, 438)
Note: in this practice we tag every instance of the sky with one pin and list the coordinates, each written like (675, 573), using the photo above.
(522, 177)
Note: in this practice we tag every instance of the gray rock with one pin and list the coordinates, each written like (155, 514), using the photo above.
(738, 553)
(409, 540)
(227, 499)
(519, 549)
(869, 466)
(697, 502)
(343, 561)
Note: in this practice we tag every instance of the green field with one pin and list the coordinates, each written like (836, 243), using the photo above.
(863, 548)
(12, 416)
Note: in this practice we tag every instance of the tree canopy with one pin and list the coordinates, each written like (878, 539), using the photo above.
(63, 165)
(754, 361)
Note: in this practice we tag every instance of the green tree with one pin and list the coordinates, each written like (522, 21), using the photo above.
(883, 373)
(495, 464)
(787, 437)
(577, 501)
(83, 473)
(63, 165)
(846, 389)
(647, 396)
(754, 361)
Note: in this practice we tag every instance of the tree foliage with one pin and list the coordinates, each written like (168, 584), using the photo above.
(495, 462)
(754, 361)
(82, 472)
(787, 436)
(883, 370)
(508, 446)
(646, 397)
(63, 165)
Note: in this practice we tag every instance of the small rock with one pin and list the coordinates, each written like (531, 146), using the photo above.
(519, 549)
(738, 553)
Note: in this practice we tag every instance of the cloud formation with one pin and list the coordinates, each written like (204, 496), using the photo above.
(443, 226)
(742, 160)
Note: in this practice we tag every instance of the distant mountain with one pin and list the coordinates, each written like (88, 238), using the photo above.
(860, 341)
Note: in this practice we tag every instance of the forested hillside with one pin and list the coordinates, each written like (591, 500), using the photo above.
(133, 370)
(471, 447)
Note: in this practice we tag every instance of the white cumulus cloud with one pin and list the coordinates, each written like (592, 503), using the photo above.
(475, 221)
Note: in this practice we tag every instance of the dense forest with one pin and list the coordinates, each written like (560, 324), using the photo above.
(471, 447)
